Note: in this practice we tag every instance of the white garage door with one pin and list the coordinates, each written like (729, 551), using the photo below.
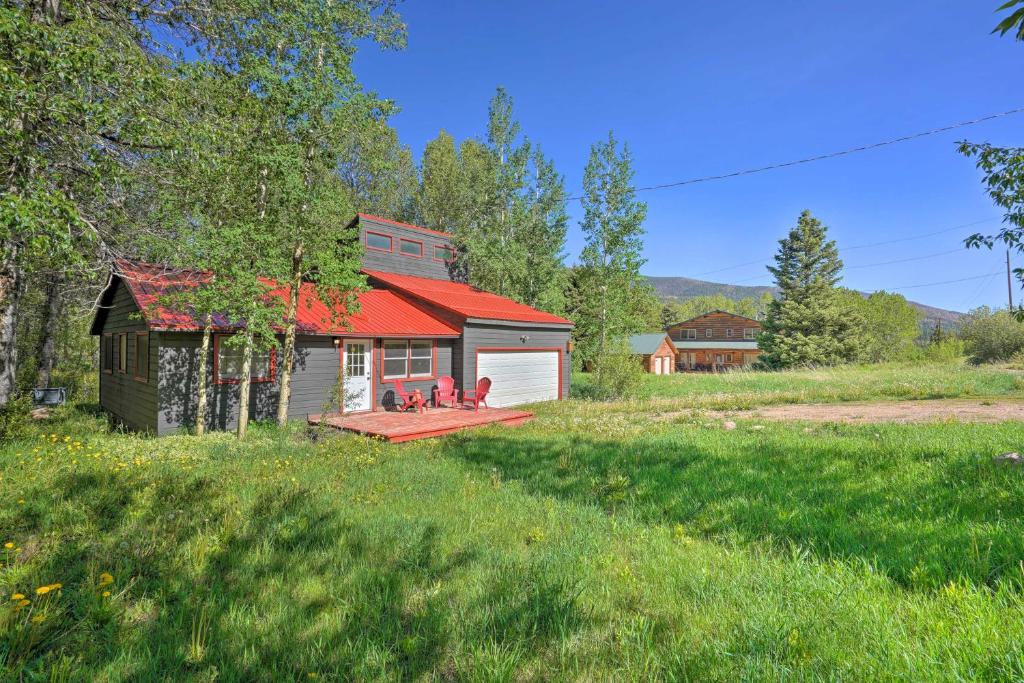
(519, 376)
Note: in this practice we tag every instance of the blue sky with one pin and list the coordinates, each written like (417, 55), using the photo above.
(705, 88)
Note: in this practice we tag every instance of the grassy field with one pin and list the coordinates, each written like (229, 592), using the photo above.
(590, 544)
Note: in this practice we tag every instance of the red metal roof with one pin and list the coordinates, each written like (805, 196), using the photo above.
(464, 300)
(420, 228)
(382, 313)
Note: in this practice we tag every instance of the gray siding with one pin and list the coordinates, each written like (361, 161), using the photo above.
(315, 373)
(130, 402)
(483, 335)
(386, 388)
(395, 262)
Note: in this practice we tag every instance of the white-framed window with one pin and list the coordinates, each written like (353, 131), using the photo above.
(728, 358)
(708, 333)
(750, 333)
(407, 359)
(228, 359)
(687, 334)
(728, 332)
(396, 359)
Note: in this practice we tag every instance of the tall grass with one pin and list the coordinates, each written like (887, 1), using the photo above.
(587, 545)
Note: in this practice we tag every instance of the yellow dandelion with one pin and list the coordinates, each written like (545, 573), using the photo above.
(106, 594)
(106, 579)
(43, 590)
(8, 545)
(21, 501)
(24, 603)
(18, 596)
(56, 586)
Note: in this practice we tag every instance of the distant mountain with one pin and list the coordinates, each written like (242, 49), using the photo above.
(682, 288)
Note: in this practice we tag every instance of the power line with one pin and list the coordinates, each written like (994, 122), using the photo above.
(946, 282)
(906, 260)
(821, 157)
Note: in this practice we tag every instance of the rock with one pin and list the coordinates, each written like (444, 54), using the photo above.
(1009, 459)
(40, 413)
(757, 428)
(729, 425)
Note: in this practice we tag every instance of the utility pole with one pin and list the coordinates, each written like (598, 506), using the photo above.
(1009, 280)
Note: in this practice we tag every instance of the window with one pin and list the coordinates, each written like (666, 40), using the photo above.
(421, 358)
(410, 248)
(728, 358)
(228, 362)
(355, 360)
(396, 359)
(750, 333)
(408, 359)
(728, 332)
(707, 333)
(107, 353)
(142, 356)
(443, 253)
(378, 241)
(122, 352)
(687, 334)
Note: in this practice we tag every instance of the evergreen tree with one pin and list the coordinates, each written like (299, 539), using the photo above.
(611, 299)
(809, 323)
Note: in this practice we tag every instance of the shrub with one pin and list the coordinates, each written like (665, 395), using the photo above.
(617, 374)
(992, 336)
(14, 418)
(948, 349)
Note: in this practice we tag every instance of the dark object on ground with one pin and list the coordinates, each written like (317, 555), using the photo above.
(55, 396)
(1009, 459)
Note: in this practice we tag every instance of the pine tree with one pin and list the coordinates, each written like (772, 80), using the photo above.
(611, 299)
(809, 323)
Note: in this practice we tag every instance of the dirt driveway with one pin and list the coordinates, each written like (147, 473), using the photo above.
(964, 410)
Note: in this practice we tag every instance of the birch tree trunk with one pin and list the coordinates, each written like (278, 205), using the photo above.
(244, 384)
(47, 350)
(204, 353)
(12, 288)
(289, 336)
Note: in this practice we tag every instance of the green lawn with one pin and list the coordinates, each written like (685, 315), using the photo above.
(591, 544)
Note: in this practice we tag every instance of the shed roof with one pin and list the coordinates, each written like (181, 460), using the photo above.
(464, 300)
(381, 312)
(647, 344)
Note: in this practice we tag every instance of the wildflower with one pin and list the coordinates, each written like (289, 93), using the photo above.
(21, 501)
(24, 602)
(43, 590)
(56, 586)
(106, 579)
(106, 594)
(8, 545)
(39, 618)
(17, 596)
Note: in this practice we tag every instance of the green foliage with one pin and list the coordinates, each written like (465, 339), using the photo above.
(992, 335)
(946, 349)
(810, 323)
(504, 202)
(618, 374)
(14, 418)
(609, 299)
(674, 311)
(891, 325)
(1014, 22)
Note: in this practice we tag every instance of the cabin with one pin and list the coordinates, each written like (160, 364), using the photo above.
(656, 351)
(418, 321)
(715, 341)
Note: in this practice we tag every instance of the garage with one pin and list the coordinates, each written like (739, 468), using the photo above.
(520, 376)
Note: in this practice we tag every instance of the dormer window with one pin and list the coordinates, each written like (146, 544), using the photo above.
(443, 254)
(411, 248)
(378, 241)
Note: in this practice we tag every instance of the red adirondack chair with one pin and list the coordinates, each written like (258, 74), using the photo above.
(479, 395)
(446, 392)
(410, 399)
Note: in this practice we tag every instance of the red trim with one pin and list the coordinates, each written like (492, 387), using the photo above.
(410, 241)
(135, 371)
(109, 369)
(253, 380)
(391, 241)
(445, 247)
(371, 217)
(408, 363)
(341, 375)
(374, 346)
(557, 349)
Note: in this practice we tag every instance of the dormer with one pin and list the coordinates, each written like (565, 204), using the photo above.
(405, 249)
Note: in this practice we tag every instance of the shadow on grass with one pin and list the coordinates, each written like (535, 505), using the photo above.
(922, 517)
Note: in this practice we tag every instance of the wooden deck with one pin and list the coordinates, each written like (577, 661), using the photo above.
(397, 427)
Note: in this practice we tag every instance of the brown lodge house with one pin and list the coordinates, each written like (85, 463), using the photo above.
(715, 341)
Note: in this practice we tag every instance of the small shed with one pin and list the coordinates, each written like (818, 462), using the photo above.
(656, 351)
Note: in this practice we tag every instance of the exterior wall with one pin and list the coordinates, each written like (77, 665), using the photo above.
(385, 388)
(130, 401)
(664, 351)
(498, 335)
(396, 262)
(705, 358)
(314, 376)
(719, 323)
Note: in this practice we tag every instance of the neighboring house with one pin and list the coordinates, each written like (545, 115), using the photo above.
(716, 340)
(656, 351)
(415, 324)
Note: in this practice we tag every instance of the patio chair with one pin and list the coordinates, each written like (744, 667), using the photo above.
(410, 399)
(478, 395)
(446, 392)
